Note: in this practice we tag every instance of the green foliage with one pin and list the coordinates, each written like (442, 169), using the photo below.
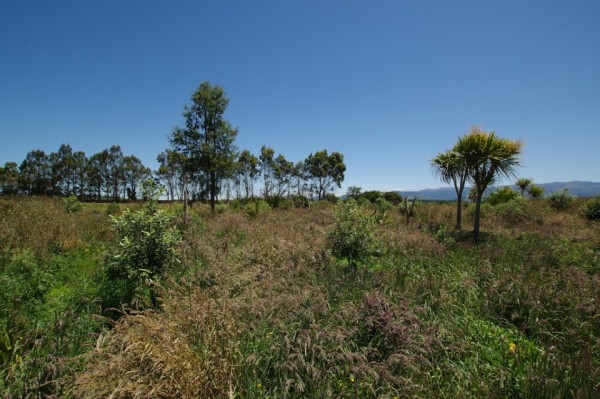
(392, 197)
(331, 197)
(382, 206)
(113, 208)
(353, 192)
(207, 142)
(535, 191)
(523, 183)
(353, 235)
(147, 245)
(514, 211)
(371, 196)
(257, 208)
(561, 200)
(257, 311)
(591, 209)
(300, 201)
(71, 204)
(324, 171)
(501, 196)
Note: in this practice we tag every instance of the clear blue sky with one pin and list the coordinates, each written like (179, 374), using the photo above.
(387, 83)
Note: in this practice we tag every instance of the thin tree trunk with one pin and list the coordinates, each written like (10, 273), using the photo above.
(459, 214)
(477, 219)
(213, 190)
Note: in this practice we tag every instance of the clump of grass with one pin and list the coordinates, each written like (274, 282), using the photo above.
(561, 200)
(353, 235)
(592, 209)
(186, 350)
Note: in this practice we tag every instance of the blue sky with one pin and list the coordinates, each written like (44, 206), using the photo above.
(387, 83)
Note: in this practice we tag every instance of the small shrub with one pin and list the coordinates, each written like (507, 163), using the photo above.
(257, 208)
(443, 235)
(275, 201)
(535, 191)
(502, 196)
(352, 237)
(300, 201)
(147, 246)
(561, 200)
(71, 204)
(393, 197)
(113, 208)
(382, 206)
(330, 197)
(592, 209)
(514, 211)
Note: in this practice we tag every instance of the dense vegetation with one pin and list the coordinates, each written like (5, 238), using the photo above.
(341, 300)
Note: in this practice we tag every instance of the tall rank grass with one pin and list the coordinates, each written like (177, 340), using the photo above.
(259, 307)
(49, 257)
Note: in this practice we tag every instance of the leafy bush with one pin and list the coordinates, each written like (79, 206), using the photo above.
(382, 206)
(300, 201)
(257, 208)
(330, 197)
(71, 204)
(392, 197)
(501, 196)
(514, 211)
(113, 208)
(147, 246)
(353, 235)
(561, 200)
(371, 196)
(535, 191)
(592, 209)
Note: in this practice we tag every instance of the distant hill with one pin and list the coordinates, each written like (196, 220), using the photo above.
(578, 188)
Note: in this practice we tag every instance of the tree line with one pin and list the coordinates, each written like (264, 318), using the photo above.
(202, 162)
(109, 174)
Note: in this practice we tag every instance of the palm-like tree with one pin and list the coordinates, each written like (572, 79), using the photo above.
(487, 158)
(450, 167)
(523, 183)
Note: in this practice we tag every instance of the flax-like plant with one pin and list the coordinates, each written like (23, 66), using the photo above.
(487, 158)
(450, 166)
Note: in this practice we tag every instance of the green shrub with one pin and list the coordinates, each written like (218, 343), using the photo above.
(371, 196)
(353, 235)
(257, 208)
(300, 201)
(514, 211)
(501, 196)
(147, 246)
(392, 197)
(535, 191)
(71, 204)
(382, 206)
(113, 208)
(330, 197)
(485, 210)
(592, 209)
(561, 200)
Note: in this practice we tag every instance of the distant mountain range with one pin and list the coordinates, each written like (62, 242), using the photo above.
(578, 188)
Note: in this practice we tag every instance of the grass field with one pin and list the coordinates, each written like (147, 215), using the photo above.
(265, 306)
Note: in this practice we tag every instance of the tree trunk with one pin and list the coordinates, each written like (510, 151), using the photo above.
(213, 191)
(477, 219)
(185, 203)
(459, 214)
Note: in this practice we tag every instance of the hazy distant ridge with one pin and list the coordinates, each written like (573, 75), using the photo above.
(578, 188)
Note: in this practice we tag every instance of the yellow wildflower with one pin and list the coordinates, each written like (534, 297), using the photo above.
(512, 347)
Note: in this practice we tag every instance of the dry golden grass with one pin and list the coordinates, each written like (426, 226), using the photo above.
(42, 225)
(183, 351)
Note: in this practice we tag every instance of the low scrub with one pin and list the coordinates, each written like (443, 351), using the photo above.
(591, 209)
